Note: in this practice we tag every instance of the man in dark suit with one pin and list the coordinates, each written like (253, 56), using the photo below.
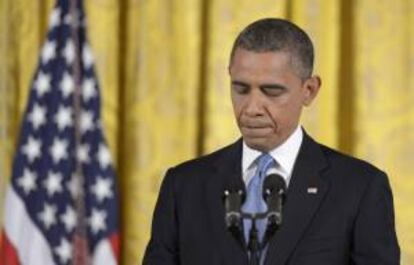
(338, 209)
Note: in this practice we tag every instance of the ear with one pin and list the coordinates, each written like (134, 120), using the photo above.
(311, 88)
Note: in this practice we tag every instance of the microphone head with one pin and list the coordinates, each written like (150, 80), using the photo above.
(235, 186)
(273, 184)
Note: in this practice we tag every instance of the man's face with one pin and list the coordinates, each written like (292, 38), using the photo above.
(267, 96)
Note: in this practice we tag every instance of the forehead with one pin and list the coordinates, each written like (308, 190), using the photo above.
(251, 62)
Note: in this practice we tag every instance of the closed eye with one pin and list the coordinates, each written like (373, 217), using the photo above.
(273, 90)
(240, 87)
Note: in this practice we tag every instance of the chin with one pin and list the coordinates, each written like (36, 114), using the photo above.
(260, 144)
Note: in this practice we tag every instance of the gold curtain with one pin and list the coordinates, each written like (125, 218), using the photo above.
(162, 68)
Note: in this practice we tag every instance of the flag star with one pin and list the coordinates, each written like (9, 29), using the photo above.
(37, 116)
(87, 56)
(104, 156)
(48, 215)
(63, 117)
(67, 85)
(54, 18)
(42, 83)
(97, 220)
(102, 189)
(69, 219)
(74, 186)
(53, 183)
(88, 89)
(67, 19)
(69, 52)
(28, 181)
(58, 150)
(32, 149)
(86, 121)
(48, 51)
(64, 251)
(83, 153)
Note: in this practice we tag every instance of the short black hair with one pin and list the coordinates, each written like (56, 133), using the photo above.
(274, 34)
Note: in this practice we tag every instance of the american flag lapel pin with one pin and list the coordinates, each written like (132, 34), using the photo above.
(312, 190)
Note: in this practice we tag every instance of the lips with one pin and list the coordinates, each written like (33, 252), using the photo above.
(256, 131)
(256, 127)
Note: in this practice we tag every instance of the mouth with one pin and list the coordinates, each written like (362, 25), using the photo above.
(256, 131)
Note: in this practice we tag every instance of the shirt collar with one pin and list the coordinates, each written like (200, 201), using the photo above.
(285, 154)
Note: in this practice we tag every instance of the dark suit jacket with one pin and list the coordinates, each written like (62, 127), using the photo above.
(350, 220)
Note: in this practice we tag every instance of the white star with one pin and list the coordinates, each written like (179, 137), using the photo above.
(69, 52)
(42, 84)
(74, 186)
(48, 51)
(48, 215)
(64, 251)
(104, 156)
(53, 183)
(83, 153)
(88, 89)
(54, 19)
(37, 116)
(67, 85)
(32, 149)
(97, 220)
(102, 189)
(63, 118)
(67, 19)
(28, 181)
(69, 219)
(86, 121)
(58, 151)
(87, 56)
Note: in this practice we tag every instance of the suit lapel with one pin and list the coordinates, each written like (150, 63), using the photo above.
(305, 193)
(226, 174)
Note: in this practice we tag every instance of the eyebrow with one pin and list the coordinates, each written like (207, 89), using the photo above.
(264, 86)
(273, 86)
(239, 83)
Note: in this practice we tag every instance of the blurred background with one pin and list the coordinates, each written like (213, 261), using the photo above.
(162, 68)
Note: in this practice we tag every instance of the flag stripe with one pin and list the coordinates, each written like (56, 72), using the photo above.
(32, 248)
(103, 254)
(8, 254)
(115, 244)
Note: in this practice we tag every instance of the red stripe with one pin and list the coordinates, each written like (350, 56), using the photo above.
(8, 254)
(115, 244)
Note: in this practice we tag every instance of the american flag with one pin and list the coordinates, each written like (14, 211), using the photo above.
(62, 199)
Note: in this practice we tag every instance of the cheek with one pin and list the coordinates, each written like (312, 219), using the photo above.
(284, 111)
(237, 103)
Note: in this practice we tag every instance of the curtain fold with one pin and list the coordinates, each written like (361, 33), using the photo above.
(162, 69)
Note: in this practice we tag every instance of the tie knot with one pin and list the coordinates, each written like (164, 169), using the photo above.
(265, 161)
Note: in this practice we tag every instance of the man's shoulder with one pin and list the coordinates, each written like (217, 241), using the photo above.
(343, 159)
(350, 167)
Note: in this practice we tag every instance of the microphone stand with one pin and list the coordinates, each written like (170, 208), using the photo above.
(254, 246)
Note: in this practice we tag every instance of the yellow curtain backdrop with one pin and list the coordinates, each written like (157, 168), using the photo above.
(162, 68)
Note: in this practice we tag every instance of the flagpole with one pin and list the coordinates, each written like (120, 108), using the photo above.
(80, 241)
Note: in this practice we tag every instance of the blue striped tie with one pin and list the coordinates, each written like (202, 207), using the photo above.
(254, 202)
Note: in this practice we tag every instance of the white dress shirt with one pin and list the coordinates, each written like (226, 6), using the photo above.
(285, 156)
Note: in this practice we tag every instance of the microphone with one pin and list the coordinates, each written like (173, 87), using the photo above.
(274, 192)
(233, 201)
(234, 198)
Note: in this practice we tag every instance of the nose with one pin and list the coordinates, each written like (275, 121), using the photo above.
(254, 104)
